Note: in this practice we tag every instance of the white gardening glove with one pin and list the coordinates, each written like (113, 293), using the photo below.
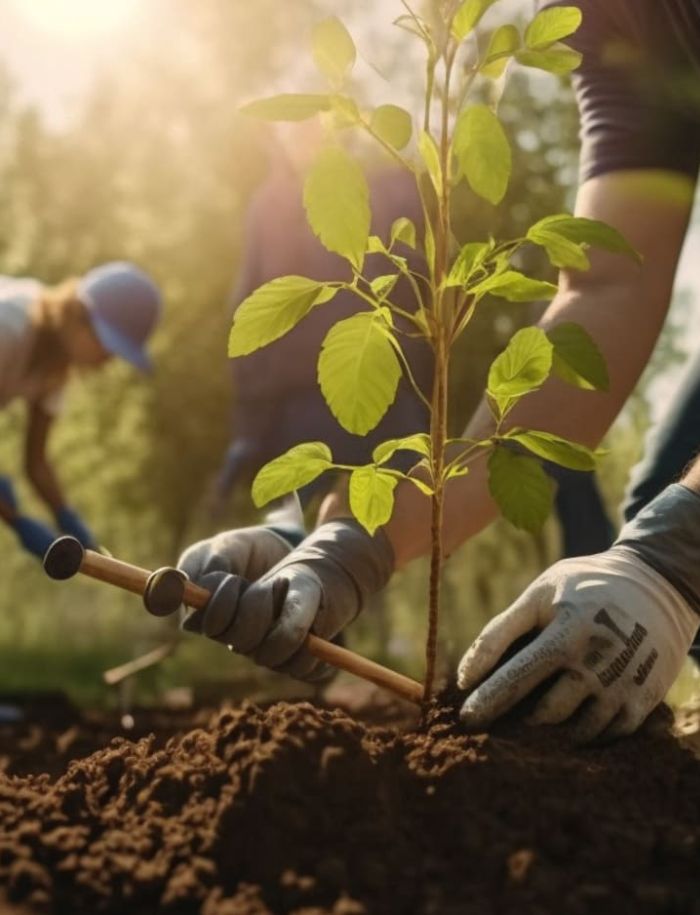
(615, 628)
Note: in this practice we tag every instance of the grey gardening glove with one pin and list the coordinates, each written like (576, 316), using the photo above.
(319, 587)
(247, 551)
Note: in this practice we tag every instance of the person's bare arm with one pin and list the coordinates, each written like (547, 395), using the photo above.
(621, 305)
(37, 466)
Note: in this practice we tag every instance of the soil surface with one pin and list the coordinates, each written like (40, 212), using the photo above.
(305, 810)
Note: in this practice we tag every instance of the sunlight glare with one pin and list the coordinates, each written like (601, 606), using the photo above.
(77, 18)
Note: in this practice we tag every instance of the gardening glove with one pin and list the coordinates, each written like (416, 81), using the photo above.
(247, 552)
(616, 627)
(319, 587)
(34, 536)
(70, 522)
(7, 494)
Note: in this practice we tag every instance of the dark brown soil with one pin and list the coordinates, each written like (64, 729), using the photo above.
(304, 810)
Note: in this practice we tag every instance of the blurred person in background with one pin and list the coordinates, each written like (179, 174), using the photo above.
(45, 334)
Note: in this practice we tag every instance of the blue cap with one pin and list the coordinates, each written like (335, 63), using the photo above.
(124, 306)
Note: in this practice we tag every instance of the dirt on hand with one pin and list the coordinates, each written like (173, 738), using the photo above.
(304, 810)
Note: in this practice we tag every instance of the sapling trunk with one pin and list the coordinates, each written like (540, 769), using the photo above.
(438, 435)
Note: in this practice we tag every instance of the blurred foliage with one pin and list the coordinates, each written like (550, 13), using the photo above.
(159, 169)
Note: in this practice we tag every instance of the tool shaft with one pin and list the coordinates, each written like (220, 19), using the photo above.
(133, 578)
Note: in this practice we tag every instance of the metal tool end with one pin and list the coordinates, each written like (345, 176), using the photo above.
(164, 591)
(64, 558)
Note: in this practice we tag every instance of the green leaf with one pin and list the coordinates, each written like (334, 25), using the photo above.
(289, 106)
(483, 152)
(299, 466)
(522, 367)
(392, 124)
(346, 112)
(560, 59)
(577, 359)
(336, 198)
(382, 285)
(428, 150)
(424, 487)
(371, 496)
(411, 24)
(504, 42)
(554, 448)
(429, 245)
(567, 255)
(403, 230)
(515, 287)
(467, 17)
(333, 49)
(272, 310)
(420, 443)
(552, 25)
(358, 371)
(583, 231)
(521, 488)
(468, 260)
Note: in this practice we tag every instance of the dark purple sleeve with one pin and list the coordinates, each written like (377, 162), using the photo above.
(630, 88)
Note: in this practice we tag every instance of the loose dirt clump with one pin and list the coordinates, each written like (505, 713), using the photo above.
(304, 810)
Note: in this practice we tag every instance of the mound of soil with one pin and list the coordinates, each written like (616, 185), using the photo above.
(300, 809)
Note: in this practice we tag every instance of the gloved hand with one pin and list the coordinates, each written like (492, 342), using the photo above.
(248, 552)
(7, 493)
(319, 587)
(70, 522)
(34, 536)
(616, 629)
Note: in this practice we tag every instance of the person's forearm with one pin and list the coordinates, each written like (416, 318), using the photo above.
(45, 482)
(620, 304)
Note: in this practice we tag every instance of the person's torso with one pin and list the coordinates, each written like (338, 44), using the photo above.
(17, 337)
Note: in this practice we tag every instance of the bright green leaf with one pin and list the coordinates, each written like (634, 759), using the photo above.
(358, 371)
(333, 49)
(392, 124)
(403, 230)
(468, 260)
(429, 245)
(552, 25)
(521, 489)
(382, 285)
(424, 487)
(336, 198)
(577, 359)
(468, 16)
(371, 495)
(272, 310)
(431, 157)
(299, 466)
(580, 230)
(346, 112)
(562, 252)
(483, 152)
(522, 367)
(554, 448)
(515, 287)
(504, 42)
(289, 106)
(420, 443)
(560, 59)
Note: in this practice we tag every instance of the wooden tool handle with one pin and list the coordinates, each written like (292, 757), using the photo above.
(132, 578)
(336, 656)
